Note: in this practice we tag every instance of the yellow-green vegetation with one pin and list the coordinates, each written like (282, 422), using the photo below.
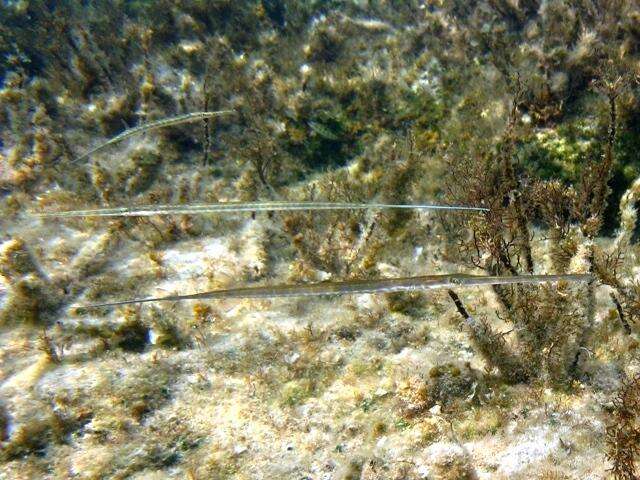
(16, 260)
(105, 409)
(455, 467)
(481, 422)
(528, 110)
(445, 387)
(29, 300)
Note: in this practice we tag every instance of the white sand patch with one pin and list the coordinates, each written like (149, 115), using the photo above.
(190, 260)
(534, 446)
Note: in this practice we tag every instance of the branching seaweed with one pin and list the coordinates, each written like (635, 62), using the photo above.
(550, 332)
(623, 435)
(322, 104)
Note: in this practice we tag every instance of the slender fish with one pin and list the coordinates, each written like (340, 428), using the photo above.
(165, 122)
(351, 287)
(148, 210)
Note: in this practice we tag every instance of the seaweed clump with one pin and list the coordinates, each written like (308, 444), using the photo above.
(31, 297)
(446, 387)
(551, 334)
(623, 435)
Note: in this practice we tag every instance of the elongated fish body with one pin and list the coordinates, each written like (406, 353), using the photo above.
(165, 122)
(385, 285)
(231, 207)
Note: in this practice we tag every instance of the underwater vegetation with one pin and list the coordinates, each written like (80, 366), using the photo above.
(622, 435)
(418, 221)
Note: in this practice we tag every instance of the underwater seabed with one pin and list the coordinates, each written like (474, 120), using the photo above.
(366, 386)
(171, 113)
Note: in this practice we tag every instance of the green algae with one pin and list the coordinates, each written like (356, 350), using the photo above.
(318, 88)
